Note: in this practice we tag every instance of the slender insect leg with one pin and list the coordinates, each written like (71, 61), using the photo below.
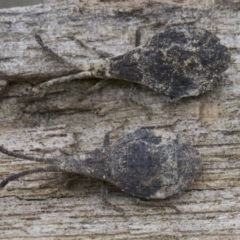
(106, 140)
(44, 86)
(15, 176)
(100, 53)
(94, 88)
(156, 204)
(137, 38)
(49, 50)
(104, 194)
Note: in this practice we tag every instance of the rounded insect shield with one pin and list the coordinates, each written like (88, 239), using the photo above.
(147, 163)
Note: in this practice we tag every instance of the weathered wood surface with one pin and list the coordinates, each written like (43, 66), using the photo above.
(61, 206)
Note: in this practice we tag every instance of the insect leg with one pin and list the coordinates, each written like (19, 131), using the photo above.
(15, 176)
(138, 37)
(44, 86)
(106, 140)
(100, 53)
(49, 50)
(155, 204)
(104, 194)
(94, 88)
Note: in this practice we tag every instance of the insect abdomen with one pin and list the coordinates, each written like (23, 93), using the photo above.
(149, 166)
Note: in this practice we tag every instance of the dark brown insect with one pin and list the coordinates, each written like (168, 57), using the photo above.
(179, 62)
(147, 163)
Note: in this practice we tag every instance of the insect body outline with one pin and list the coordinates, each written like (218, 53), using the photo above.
(179, 62)
(146, 163)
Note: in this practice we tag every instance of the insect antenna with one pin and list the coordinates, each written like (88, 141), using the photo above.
(15, 176)
(31, 158)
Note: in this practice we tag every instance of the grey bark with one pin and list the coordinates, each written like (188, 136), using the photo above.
(63, 206)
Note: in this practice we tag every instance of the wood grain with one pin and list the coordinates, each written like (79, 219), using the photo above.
(63, 206)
